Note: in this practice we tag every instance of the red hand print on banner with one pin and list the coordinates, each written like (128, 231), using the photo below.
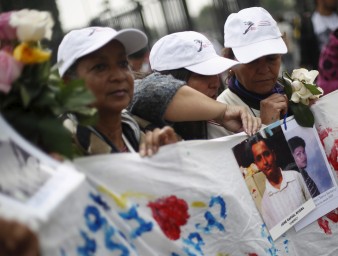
(325, 224)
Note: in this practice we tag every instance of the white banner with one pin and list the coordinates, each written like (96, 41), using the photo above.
(189, 199)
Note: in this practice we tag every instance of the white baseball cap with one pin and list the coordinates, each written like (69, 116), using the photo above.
(80, 42)
(252, 33)
(190, 50)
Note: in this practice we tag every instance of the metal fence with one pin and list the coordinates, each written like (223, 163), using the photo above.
(160, 17)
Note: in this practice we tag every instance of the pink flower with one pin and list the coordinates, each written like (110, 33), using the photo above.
(10, 71)
(7, 32)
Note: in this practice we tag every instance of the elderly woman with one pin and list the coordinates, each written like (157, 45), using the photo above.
(252, 37)
(98, 55)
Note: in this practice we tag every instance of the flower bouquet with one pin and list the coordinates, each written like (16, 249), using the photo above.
(32, 95)
(301, 92)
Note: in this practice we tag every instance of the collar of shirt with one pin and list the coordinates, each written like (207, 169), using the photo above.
(286, 179)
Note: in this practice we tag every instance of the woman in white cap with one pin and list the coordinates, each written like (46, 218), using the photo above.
(252, 37)
(183, 87)
(98, 55)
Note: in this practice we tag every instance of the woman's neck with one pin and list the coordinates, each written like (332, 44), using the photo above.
(111, 127)
(276, 179)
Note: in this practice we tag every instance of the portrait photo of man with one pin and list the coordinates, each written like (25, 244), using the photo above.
(285, 191)
(309, 160)
(297, 146)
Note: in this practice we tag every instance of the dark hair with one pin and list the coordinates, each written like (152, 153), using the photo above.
(296, 142)
(228, 53)
(254, 140)
(182, 74)
(139, 54)
(71, 71)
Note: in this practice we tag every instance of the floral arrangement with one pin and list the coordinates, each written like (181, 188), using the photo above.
(301, 92)
(32, 95)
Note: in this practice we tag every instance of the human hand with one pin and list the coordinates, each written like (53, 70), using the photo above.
(238, 118)
(313, 101)
(156, 138)
(17, 239)
(273, 107)
(56, 156)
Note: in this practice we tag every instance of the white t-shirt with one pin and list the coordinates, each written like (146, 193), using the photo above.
(279, 203)
(323, 25)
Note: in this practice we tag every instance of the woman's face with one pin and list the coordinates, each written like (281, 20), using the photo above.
(207, 85)
(107, 74)
(260, 75)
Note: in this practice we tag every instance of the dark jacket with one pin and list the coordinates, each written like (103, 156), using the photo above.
(309, 45)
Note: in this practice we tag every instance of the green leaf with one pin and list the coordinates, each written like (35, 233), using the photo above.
(25, 96)
(87, 119)
(37, 98)
(313, 89)
(76, 98)
(55, 138)
(302, 113)
(287, 86)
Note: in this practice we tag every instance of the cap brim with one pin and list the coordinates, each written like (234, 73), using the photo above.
(133, 40)
(248, 53)
(213, 66)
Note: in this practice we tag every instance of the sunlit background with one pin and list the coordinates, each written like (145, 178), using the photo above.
(157, 17)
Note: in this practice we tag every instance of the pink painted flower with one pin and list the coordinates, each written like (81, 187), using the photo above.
(7, 32)
(10, 71)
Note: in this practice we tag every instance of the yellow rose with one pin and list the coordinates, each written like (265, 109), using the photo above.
(28, 55)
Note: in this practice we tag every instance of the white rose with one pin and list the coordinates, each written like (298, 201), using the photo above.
(32, 25)
(70, 125)
(295, 98)
(303, 74)
(302, 94)
(296, 85)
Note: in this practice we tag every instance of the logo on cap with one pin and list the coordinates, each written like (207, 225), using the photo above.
(249, 24)
(202, 44)
(93, 30)
(264, 23)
